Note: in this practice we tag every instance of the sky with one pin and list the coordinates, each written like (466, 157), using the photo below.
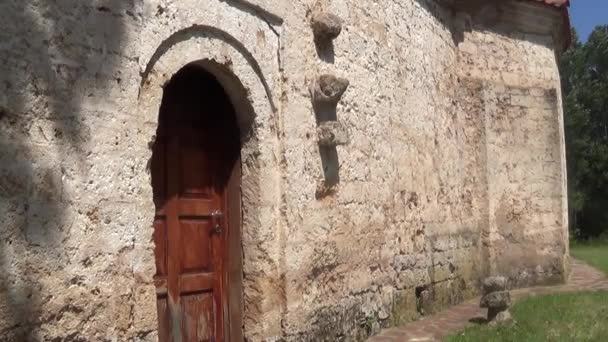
(586, 14)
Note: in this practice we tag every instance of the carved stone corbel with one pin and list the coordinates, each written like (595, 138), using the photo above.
(332, 133)
(326, 26)
(328, 89)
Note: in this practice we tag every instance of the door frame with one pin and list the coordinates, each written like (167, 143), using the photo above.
(229, 272)
(233, 259)
(260, 181)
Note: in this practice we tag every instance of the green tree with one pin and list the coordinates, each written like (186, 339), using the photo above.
(584, 73)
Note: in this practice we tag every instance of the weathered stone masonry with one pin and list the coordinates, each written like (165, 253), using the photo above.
(454, 168)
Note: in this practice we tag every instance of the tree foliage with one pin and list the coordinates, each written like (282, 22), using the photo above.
(584, 73)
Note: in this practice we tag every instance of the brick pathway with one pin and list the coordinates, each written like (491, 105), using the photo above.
(438, 326)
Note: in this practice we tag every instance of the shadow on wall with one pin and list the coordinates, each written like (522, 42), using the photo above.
(53, 55)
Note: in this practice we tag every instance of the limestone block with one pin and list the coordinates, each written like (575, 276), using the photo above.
(442, 272)
(502, 317)
(404, 262)
(328, 89)
(332, 133)
(496, 300)
(326, 26)
(405, 307)
(425, 302)
(493, 284)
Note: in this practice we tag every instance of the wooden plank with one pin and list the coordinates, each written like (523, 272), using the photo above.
(195, 246)
(233, 294)
(195, 207)
(196, 282)
(163, 319)
(161, 286)
(173, 240)
(199, 320)
(160, 246)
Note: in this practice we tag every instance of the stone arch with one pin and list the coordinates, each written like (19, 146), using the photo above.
(243, 81)
(211, 32)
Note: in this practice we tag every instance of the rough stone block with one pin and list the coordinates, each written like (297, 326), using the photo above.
(426, 302)
(496, 300)
(326, 26)
(328, 89)
(404, 262)
(502, 317)
(332, 133)
(443, 272)
(493, 284)
(404, 307)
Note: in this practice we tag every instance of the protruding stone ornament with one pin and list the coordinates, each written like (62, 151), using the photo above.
(497, 299)
(332, 133)
(326, 26)
(492, 284)
(328, 89)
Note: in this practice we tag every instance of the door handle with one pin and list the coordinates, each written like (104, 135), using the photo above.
(216, 218)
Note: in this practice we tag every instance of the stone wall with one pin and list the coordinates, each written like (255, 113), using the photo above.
(454, 167)
(512, 64)
(403, 214)
(72, 253)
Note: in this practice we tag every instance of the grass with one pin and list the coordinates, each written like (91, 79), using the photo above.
(559, 317)
(593, 253)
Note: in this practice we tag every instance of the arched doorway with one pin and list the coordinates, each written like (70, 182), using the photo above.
(196, 186)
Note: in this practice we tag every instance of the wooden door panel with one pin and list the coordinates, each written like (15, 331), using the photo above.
(162, 308)
(193, 207)
(199, 317)
(192, 180)
(195, 251)
(194, 282)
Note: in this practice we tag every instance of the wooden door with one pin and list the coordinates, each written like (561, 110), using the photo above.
(195, 159)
